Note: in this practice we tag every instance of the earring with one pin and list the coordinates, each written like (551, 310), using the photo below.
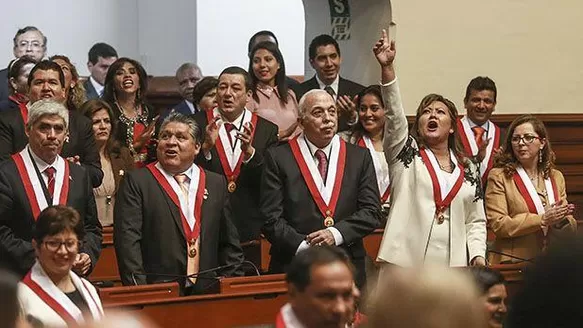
(540, 156)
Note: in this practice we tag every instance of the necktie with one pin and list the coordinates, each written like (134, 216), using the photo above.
(322, 163)
(181, 179)
(50, 171)
(192, 262)
(330, 91)
(229, 127)
(478, 134)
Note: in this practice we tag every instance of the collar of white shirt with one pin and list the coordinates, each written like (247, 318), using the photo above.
(484, 126)
(313, 148)
(42, 165)
(190, 106)
(237, 121)
(98, 87)
(334, 84)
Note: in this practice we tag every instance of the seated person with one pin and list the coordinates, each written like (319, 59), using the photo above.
(491, 284)
(51, 292)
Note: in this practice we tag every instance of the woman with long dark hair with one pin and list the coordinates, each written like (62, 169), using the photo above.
(126, 84)
(271, 98)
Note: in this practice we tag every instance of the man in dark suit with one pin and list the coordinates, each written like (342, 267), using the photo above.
(234, 144)
(187, 76)
(172, 218)
(46, 81)
(325, 58)
(101, 56)
(36, 177)
(318, 189)
(27, 41)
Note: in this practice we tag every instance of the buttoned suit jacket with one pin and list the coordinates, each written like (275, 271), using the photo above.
(245, 199)
(290, 212)
(17, 221)
(149, 237)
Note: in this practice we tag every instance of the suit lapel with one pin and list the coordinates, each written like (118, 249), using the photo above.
(342, 87)
(174, 210)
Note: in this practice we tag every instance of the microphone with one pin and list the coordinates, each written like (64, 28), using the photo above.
(199, 275)
(511, 256)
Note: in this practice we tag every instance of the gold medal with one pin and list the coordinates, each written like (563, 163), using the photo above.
(328, 222)
(232, 186)
(440, 218)
(192, 252)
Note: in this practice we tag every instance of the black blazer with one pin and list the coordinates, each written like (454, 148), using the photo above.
(4, 84)
(8, 105)
(345, 87)
(90, 92)
(81, 142)
(245, 199)
(149, 238)
(290, 213)
(16, 219)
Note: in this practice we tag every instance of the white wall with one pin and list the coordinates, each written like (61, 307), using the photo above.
(225, 26)
(72, 26)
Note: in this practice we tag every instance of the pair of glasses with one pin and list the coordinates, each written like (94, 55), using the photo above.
(70, 245)
(527, 139)
(32, 44)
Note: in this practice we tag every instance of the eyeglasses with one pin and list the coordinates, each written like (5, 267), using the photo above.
(32, 44)
(71, 245)
(527, 139)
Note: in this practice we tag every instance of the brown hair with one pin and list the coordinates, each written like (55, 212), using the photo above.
(453, 140)
(508, 161)
(56, 219)
(89, 108)
(76, 95)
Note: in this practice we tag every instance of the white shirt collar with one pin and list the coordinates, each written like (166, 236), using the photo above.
(40, 164)
(237, 121)
(98, 87)
(334, 84)
(472, 124)
(190, 106)
(313, 147)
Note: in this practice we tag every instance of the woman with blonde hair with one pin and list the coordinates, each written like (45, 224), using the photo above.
(74, 89)
(526, 198)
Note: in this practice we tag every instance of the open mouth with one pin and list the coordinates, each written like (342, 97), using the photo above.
(128, 83)
(171, 153)
(432, 125)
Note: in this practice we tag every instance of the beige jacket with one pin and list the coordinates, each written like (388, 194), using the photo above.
(517, 231)
(411, 215)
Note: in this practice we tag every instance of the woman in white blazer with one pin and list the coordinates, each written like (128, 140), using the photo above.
(437, 214)
(50, 292)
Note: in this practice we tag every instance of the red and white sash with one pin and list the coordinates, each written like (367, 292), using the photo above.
(325, 195)
(191, 216)
(286, 318)
(469, 142)
(383, 180)
(528, 191)
(23, 112)
(231, 158)
(32, 183)
(438, 180)
(39, 283)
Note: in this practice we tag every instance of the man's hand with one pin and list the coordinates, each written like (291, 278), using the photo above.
(384, 50)
(82, 264)
(478, 261)
(482, 150)
(75, 159)
(321, 237)
(348, 106)
(211, 134)
(246, 138)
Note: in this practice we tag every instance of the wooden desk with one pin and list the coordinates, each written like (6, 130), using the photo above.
(245, 301)
(114, 295)
(106, 267)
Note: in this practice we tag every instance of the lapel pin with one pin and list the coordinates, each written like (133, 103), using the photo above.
(206, 194)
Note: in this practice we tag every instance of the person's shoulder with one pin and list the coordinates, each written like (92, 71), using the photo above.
(7, 164)
(263, 123)
(554, 173)
(351, 84)
(497, 173)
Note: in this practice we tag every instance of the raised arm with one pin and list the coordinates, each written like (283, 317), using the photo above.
(396, 129)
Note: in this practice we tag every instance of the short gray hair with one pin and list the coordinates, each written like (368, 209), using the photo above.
(186, 66)
(193, 127)
(46, 107)
(302, 103)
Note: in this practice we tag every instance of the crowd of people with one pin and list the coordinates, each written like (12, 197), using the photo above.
(314, 167)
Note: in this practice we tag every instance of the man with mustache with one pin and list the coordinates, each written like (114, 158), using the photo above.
(172, 218)
(325, 58)
(37, 177)
(318, 190)
(480, 136)
(234, 143)
(46, 81)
